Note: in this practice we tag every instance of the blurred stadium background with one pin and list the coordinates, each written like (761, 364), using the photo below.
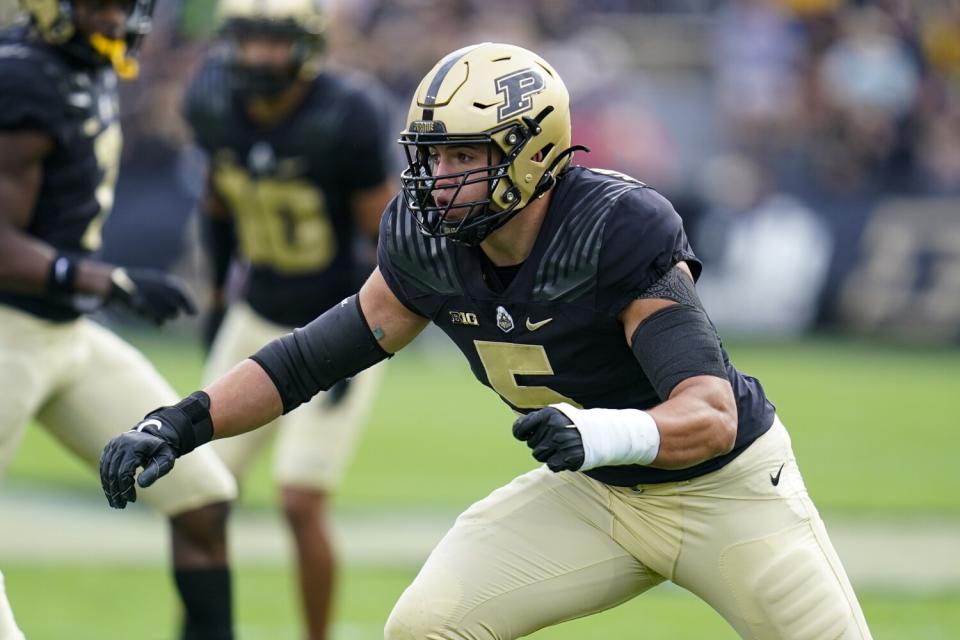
(813, 149)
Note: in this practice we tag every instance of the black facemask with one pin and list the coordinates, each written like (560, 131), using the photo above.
(262, 81)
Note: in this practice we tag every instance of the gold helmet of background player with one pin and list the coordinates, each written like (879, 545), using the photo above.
(300, 22)
(499, 95)
(53, 20)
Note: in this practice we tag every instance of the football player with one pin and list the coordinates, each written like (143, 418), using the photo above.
(298, 169)
(571, 292)
(61, 142)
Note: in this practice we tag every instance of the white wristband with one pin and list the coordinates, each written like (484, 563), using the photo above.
(614, 436)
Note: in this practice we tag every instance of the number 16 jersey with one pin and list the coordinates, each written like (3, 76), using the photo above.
(552, 334)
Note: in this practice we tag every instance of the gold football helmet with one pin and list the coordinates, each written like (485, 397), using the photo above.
(494, 94)
(53, 21)
(301, 22)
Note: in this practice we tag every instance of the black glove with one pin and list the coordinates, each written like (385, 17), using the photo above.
(548, 432)
(211, 325)
(336, 393)
(154, 444)
(149, 293)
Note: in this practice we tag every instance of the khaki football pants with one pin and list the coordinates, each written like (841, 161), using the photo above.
(85, 385)
(315, 442)
(8, 626)
(551, 547)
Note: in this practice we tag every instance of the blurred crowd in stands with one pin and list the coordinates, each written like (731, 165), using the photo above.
(775, 126)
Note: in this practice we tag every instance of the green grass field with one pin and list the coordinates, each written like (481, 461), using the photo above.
(108, 603)
(874, 428)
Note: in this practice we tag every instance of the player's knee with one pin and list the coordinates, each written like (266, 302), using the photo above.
(416, 617)
(199, 536)
(411, 621)
(303, 507)
(794, 593)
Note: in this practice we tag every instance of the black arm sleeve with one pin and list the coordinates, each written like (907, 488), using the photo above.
(337, 345)
(679, 341)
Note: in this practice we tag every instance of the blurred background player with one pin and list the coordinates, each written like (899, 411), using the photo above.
(298, 166)
(61, 143)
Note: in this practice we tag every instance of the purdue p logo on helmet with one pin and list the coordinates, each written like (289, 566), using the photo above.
(493, 94)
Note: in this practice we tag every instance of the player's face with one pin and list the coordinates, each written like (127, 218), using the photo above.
(264, 53)
(106, 17)
(457, 159)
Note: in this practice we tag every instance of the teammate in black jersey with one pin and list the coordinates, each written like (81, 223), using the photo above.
(571, 292)
(60, 142)
(298, 170)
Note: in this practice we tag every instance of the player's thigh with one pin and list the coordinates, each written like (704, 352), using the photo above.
(22, 392)
(108, 391)
(532, 554)
(759, 553)
(31, 351)
(317, 440)
(8, 626)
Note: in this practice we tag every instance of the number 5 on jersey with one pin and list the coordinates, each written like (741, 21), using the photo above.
(503, 361)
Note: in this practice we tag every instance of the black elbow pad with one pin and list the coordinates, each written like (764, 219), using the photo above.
(676, 343)
(335, 346)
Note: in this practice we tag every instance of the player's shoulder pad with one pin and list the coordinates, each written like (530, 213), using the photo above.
(643, 240)
(646, 224)
(33, 86)
(208, 104)
(420, 263)
(354, 84)
(587, 197)
(360, 101)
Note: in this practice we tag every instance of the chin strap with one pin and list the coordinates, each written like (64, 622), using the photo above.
(548, 179)
(116, 51)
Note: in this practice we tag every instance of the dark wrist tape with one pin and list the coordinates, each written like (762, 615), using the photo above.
(676, 343)
(190, 418)
(337, 345)
(62, 276)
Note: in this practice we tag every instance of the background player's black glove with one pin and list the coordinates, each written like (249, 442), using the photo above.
(211, 325)
(548, 432)
(336, 393)
(154, 444)
(149, 293)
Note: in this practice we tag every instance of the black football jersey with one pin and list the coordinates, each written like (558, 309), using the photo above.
(552, 334)
(289, 185)
(43, 90)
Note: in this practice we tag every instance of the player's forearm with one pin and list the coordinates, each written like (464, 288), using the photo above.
(698, 422)
(220, 238)
(26, 264)
(242, 400)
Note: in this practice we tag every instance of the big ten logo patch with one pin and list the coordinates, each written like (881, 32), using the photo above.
(464, 318)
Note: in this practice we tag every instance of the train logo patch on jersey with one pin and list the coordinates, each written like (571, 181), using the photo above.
(465, 318)
(504, 321)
